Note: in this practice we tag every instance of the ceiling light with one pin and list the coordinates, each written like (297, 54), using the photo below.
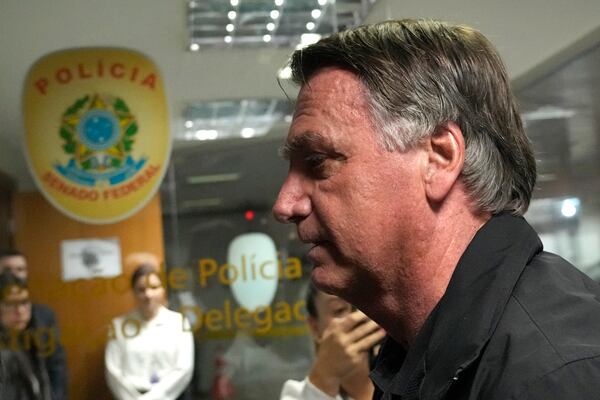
(274, 14)
(278, 3)
(548, 112)
(214, 178)
(227, 39)
(322, 2)
(569, 207)
(285, 73)
(193, 4)
(234, 2)
(198, 203)
(310, 25)
(316, 13)
(231, 14)
(229, 28)
(270, 26)
(309, 38)
(287, 118)
(194, 47)
(189, 124)
(547, 177)
(267, 38)
(248, 132)
(206, 134)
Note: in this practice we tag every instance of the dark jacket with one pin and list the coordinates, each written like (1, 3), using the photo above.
(23, 374)
(515, 323)
(43, 323)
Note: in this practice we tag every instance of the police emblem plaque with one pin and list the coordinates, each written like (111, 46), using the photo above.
(96, 131)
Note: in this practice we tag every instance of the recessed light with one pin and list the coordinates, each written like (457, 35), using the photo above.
(274, 14)
(569, 207)
(285, 72)
(248, 132)
(310, 25)
(214, 178)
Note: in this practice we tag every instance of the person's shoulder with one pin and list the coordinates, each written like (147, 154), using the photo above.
(42, 314)
(171, 318)
(41, 308)
(165, 313)
(563, 304)
(293, 389)
(571, 381)
(558, 273)
(127, 317)
(553, 290)
(548, 328)
(303, 390)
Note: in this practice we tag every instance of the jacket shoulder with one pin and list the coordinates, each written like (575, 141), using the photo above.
(43, 315)
(548, 331)
(563, 304)
(575, 380)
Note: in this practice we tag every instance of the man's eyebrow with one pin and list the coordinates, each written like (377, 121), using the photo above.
(299, 144)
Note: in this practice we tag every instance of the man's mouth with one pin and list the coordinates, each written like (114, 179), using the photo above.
(315, 249)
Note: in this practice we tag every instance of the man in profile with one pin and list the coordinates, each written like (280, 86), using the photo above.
(409, 175)
(42, 319)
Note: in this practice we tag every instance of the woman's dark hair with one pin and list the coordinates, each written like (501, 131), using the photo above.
(10, 253)
(141, 271)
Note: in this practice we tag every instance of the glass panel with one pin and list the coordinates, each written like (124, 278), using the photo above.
(562, 119)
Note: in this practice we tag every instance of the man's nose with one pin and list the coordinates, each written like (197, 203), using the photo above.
(293, 202)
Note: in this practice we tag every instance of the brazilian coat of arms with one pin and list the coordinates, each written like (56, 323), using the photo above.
(98, 133)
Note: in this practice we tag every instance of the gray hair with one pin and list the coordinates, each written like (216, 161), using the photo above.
(421, 74)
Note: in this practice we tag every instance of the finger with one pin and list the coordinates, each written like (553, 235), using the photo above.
(350, 321)
(368, 341)
(362, 330)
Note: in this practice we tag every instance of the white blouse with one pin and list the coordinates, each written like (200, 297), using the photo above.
(304, 390)
(149, 360)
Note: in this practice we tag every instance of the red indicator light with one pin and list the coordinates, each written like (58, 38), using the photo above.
(249, 215)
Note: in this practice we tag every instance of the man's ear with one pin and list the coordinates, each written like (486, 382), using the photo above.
(445, 159)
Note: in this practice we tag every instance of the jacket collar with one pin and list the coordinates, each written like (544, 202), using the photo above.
(478, 292)
(466, 316)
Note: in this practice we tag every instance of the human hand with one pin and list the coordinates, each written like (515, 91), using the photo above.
(342, 348)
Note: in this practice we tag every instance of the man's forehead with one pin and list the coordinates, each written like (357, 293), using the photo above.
(330, 85)
(331, 79)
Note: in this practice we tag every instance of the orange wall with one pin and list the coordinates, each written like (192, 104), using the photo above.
(84, 308)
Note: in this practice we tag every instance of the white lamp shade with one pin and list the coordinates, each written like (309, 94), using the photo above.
(253, 270)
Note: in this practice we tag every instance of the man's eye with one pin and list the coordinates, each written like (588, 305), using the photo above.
(315, 162)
